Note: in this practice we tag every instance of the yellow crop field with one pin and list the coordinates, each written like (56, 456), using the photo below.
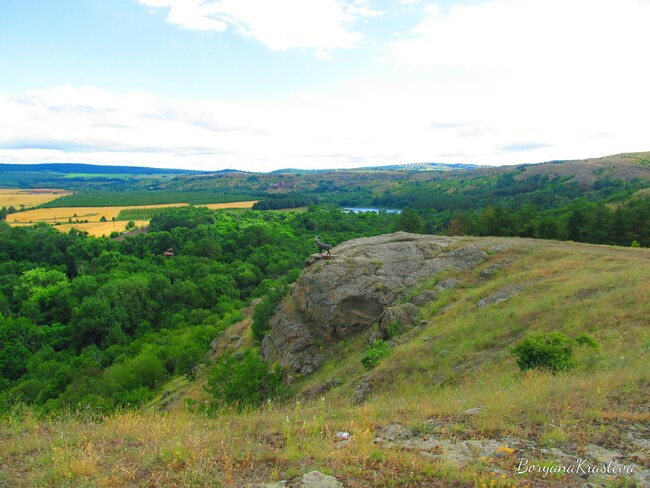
(15, 197)
(65, 217)
(99, 229)
(62, 214)
(96, 229)
(218, 206)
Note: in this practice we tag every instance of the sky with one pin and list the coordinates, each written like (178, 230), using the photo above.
(259, 85)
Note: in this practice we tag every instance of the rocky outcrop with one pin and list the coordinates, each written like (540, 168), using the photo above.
(338, 298)
(500, 295)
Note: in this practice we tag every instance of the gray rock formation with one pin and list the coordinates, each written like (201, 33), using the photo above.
(500, 295)
(313, 479)
(425, 297)
(338, 298)
(316, 479)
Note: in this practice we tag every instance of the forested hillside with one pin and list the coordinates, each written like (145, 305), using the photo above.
(103, 323)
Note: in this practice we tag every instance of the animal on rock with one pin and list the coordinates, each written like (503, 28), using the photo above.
(322, 247)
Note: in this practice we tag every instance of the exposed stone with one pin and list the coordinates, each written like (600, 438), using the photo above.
(403, 314)
(500, 247)
(424, 297)
(316, 479)
(392, 433)
(643, 444)
(474, 411)
(457, 453)
(501, 295)
(342, 440)
(378, 335)
(448, 284)
(313, 479)
(341, 297)
(641, 476)
(315, 258)
(492, 269)
(319, 390)
(557, 454)
(362, 392)
(601, 454)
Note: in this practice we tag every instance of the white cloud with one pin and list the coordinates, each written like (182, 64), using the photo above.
(553, 72)
(279, 24)
(531, 34)
(500, 82)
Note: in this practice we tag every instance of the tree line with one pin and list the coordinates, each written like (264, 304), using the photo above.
(626, 224)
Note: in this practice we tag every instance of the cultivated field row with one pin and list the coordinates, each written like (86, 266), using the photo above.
(98, 221)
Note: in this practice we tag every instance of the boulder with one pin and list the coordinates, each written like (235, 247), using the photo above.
(362, 391)
(424, 297)
(401, 315)
(500, 295)
(338, 298)
(313, 479)
(316, 479)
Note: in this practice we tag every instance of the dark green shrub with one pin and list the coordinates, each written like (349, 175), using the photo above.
(264, 311)
(552, 351)
(242, 381)
(586, 340)
(374, 354)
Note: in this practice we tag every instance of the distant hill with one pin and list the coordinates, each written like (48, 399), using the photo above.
(626, 166)
(423, 167)
(390, 167)
(91, 169)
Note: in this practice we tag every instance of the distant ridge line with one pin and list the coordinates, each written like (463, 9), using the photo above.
(91, 169)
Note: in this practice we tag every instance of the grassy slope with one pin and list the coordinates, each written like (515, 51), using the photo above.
(585, 171)
(460, 360)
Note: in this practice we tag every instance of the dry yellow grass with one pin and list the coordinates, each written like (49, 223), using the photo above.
(14, 197)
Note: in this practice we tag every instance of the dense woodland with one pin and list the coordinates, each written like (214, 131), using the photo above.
(103, 323)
